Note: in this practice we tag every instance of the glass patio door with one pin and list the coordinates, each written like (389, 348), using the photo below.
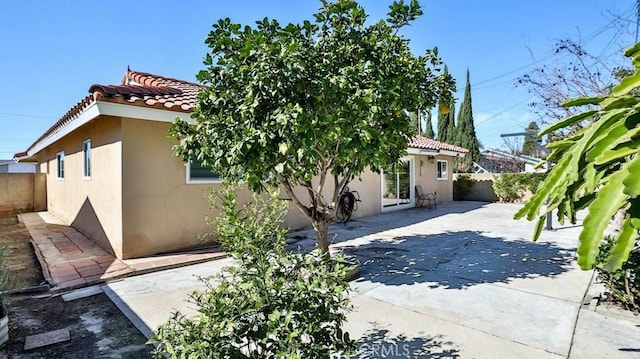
(397, 184)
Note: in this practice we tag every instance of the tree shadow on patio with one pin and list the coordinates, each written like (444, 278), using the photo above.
(457, 260)
(378, 343)
(305, 239)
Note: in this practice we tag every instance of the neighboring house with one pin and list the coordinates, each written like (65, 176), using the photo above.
(12, 166)
(497, 161)
(111, 172)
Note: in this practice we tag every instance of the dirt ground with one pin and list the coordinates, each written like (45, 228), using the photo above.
(96, 326)
(20, 258)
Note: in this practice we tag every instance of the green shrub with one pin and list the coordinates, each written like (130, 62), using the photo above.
(462, 186)
(511, 187)
(531, 181)
(622, 285)
(271, 304)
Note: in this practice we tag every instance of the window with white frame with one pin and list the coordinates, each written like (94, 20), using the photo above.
(197, 173)
(443, 174)
(60, 165)
(86, 159)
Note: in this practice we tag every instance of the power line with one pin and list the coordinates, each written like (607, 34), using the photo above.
(585, 40)
(26, 115)
(503, 111)
(637, 18)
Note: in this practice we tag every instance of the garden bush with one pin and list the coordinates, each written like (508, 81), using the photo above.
(512, 187)
(462, 186)
(623, 285)
(271, 304)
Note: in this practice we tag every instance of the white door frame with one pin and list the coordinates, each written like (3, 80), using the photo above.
(412, 177)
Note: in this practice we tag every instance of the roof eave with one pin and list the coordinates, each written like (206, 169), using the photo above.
(434, 152)
(105, 108)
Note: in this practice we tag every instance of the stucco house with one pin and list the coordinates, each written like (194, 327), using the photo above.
(497, 161)
(111, 173)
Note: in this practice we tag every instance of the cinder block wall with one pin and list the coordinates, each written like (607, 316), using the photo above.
(23, 192)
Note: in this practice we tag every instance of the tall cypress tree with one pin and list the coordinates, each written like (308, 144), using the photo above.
(466, 132)
(414, 120)
(443, 125)
(452, 129)
(428, 131)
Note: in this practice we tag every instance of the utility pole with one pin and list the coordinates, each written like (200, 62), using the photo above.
(637, 18)
(549, 225)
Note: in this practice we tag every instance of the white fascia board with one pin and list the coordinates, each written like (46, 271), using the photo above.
(99, 108)
(80, 119)
(429, 152)
(452, 153)
(142, 113)
(422, 151)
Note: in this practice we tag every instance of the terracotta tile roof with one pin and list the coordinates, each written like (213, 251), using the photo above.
(20, 155)
(136, 88)
(429, 144)
(63, 121)
(145, 89)
(149, 90)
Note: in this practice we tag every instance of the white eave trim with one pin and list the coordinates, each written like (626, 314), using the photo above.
(100, 108)
(141, 113)
(452, 153)
(422, 151)
(430, 152)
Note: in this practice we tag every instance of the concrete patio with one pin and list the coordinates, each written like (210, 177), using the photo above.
(463, 280)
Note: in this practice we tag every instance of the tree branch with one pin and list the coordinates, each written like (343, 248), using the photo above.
(289, 190)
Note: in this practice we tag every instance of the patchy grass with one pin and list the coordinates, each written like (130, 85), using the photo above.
(19, 257)
(96, 326)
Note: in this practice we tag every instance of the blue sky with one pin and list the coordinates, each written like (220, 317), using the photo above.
(53, 51)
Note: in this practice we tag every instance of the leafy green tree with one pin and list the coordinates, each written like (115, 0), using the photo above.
(310, 105)
(530, 146)
(428, 132)
(466, 131)
(271, 303)
(597, 169)
(446, 118)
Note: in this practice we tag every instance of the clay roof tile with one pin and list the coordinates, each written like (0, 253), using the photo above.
(430, 144)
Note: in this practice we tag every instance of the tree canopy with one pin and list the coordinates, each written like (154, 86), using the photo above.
(310, 104)
(597, 168)
(446, 119)
(530, 145)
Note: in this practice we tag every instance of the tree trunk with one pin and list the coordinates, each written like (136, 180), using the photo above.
(322, 229)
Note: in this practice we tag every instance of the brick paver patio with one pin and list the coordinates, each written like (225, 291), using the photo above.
(69, 259)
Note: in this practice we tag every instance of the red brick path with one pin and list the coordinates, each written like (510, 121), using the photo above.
(70, 259)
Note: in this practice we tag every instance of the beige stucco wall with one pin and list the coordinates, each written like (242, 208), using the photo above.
(94, 205)
(138, 201)
(23, 192)
(367, 185)
(161, 212)
(426, 176)
(369, 188)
